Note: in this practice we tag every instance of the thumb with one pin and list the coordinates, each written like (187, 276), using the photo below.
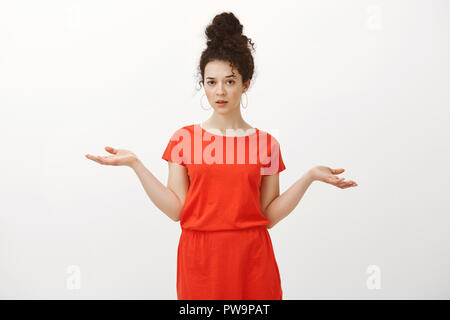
(340, 170)
(110, 149)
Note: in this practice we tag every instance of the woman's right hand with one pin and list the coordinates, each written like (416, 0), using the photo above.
(119, 157)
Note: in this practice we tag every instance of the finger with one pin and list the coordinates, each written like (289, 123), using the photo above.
(337, 180)
(99, 159)
(337, 171)
(346, 184)
(90, 157)
(352, 183)
(343, 185)
(111, 150)
(93, 158)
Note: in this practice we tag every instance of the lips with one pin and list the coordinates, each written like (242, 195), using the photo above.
(221, 101)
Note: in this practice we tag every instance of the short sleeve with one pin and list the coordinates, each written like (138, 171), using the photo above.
(275, 163)
(174, 149)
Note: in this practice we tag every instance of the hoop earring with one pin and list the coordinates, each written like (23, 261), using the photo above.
(201, 105)
(246, 98)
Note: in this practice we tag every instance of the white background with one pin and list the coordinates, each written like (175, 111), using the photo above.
(362, 85)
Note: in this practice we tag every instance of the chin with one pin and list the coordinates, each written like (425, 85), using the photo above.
(223, 110)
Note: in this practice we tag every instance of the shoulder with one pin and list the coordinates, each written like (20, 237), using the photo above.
(183, 131)
(268, 136)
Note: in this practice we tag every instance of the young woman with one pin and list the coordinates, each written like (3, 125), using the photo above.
(223, 183)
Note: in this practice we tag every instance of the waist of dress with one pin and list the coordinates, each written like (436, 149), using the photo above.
(263, 227)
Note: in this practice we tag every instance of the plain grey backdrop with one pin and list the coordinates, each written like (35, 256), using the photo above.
(362, 85)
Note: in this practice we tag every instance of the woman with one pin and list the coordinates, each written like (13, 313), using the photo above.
(223, 183)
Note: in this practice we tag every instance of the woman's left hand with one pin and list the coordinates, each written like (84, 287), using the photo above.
(326, 174)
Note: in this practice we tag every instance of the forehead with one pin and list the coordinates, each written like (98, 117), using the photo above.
(219, 69)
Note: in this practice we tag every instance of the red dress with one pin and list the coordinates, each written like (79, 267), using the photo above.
(225, 250)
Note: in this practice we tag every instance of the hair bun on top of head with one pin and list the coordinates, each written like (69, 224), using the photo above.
(225, 42)
(225, 28)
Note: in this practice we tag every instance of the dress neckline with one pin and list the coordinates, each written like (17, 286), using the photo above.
(221, 135)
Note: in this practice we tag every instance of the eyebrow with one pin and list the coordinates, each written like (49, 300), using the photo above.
(231, 75)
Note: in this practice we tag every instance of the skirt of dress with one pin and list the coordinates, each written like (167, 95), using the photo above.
(227, 265)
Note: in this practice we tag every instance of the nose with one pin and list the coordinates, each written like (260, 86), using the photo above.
(220, 90)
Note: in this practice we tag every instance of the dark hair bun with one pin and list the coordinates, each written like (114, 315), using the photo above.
(222, 26)
(226, 31)
(225, 42)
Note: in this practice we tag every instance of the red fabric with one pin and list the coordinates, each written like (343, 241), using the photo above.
(225, 250)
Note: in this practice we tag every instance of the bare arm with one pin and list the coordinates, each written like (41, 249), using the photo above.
(283, 204)
(170, 199)
(163, 197)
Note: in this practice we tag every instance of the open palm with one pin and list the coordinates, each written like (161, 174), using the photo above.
(326, 174)
(119, 157)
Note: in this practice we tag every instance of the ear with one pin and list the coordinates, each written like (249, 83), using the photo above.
(246, 85)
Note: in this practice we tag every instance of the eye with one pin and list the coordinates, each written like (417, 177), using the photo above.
(208, 82)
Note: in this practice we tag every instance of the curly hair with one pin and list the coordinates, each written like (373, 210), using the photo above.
(225, 42)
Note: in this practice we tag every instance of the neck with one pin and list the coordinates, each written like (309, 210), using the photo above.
(226, 121)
